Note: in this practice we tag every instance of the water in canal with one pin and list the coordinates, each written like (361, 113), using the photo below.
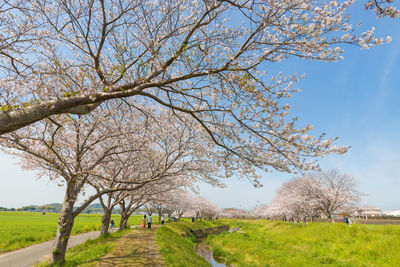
(202, 251)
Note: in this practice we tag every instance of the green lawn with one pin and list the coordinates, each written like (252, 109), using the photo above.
(22, 229)
(272, 243)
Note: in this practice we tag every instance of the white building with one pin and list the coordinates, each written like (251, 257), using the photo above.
(393, 213)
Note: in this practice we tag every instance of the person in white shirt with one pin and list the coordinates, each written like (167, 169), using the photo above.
(162, 219)
(149, 219)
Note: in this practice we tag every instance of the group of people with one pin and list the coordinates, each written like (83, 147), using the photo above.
(143, 225)
(149, 220)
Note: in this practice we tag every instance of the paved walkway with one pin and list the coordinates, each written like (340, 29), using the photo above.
(37, 253)
(137, 248)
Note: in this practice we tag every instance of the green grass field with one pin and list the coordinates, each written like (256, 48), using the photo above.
(272, 243)
(22, 229)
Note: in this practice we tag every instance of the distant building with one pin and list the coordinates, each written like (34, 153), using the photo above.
(371, 212)
(368, 212)
(393, 213)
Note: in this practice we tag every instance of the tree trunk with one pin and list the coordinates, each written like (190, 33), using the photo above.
(65, 223)
(124, 222)
(169, 216)
(159, 215)
(105, 222)
(124, 219)
(330, 217)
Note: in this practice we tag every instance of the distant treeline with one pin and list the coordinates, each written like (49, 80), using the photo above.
(56, 207)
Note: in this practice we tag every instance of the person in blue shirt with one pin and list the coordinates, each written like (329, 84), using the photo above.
(149, 219)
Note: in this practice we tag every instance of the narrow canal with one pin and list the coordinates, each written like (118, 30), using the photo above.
(202, 250)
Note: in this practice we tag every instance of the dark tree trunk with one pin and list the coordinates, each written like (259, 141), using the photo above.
(169, 216)
(330, 217)
(124, 218)
(124, 222)
(65, 223)
(105, 221)
(159, 215)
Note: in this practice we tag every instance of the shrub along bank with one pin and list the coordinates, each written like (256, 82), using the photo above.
(272, 243)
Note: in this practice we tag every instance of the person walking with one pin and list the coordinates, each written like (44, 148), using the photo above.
(112, 224)
(162, 219)
(143, 225)
(149, 219)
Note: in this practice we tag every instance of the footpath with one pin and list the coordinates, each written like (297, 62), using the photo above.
(37, 253)
(138, 248)
(40, 252)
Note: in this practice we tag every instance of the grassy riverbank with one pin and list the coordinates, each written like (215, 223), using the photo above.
(271, 243)
(129, 248)
(177, 251)
(22, 229)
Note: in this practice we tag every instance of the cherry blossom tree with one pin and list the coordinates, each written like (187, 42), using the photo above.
(178, 203)
(98, 50)
(68, 154)
(236, 213)
(293, 201)
(104, 151)
(175, 201)
(202, 208)
(129, 204)
(261, 210)
(312, 195)
(145, 196)
(186, 56)
(340, 190)
(116, 174)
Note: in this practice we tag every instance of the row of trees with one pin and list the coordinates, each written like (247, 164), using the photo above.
(180, 203)
(123, 100)
(311, 196)
(104, 156)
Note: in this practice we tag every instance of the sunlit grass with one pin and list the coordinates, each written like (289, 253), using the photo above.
(22, 229)
(270, 243)
(178, 251)
(90, 252)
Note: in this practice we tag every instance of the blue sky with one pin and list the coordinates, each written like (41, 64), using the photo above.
(357, 100)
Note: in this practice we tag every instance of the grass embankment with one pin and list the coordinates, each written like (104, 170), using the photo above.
(91, 252)
(271, 243)
(177, 250)
(22, 229)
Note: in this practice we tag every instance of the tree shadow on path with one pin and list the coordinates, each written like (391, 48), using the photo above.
(138, 248)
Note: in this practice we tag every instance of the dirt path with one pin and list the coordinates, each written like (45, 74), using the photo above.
(137, 248)
(37, 253)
